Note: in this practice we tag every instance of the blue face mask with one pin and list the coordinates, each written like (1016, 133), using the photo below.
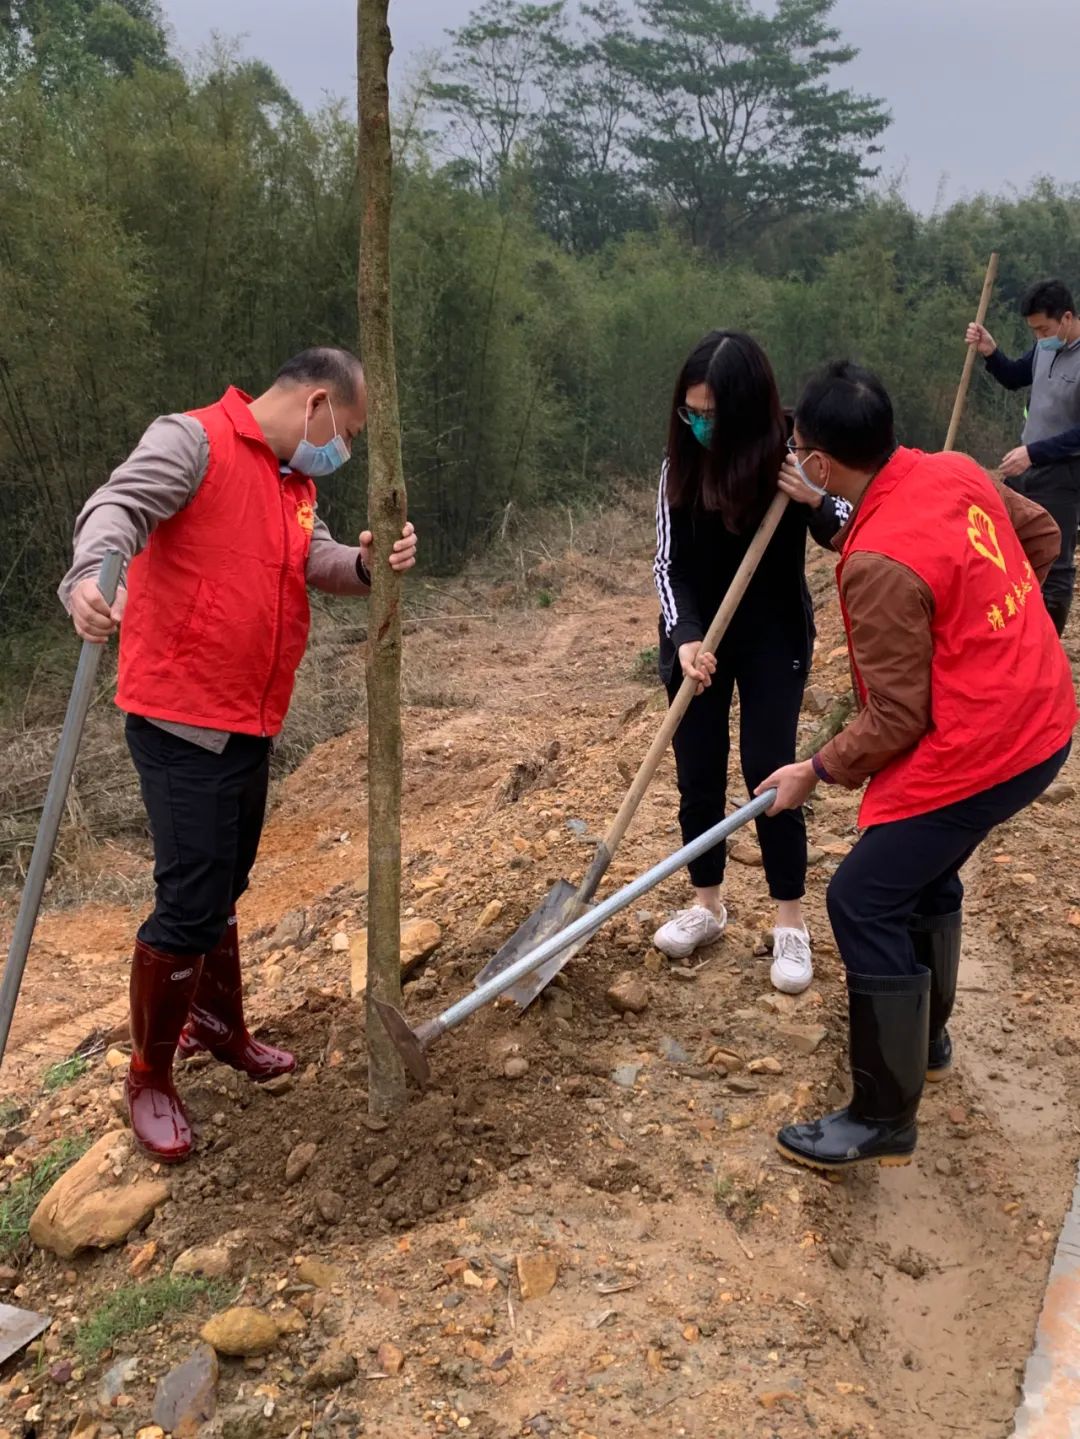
(318, 461)
(1053, 344)
(702, 426)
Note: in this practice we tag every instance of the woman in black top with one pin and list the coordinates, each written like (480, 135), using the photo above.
(726, 443)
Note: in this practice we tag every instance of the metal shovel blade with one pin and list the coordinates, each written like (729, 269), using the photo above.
(559, 908)
(405, 1041)
(17, 1328)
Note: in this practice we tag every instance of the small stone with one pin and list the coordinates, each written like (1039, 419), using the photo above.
(537, 1274)
(116, 1059)
(204, 1261)
(775, 1398)
(628, 994)
(1060, 792)
(625, 1076)
(390, 1359)
(673, 1051)
(61, 1373)
(682, 974)
(743, 852)
(804, 1038)
(280, 1084)
(944, 1166)
(768, 1065)
(330, 1205)
(340, 943)
(299, 1162)
(290, 930)
(322, 1276)
(840, 1255)
(488, 915)
(241, 1331)
(142, 1259)
(382, 1170)
(817, 700)
(957, 1114)
(116, 1378)
(516, 1067)
(560, 1005)
(1064, 1046)
(273, 976)
(186, 1397)
(735, 1085)
(334, 1367)
(8, 1278)
(912, 1264)
(150, 1431)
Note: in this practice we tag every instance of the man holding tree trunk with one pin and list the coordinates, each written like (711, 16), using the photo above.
(216, 512)
(1046, 465)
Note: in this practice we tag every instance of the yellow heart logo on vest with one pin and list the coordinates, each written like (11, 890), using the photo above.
(305, 517)
(983, 536)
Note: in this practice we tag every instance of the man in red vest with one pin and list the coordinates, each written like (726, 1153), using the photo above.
(216, 512)
(966, 714)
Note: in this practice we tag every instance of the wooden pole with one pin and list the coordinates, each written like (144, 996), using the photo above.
(386, 517)
(969, 358)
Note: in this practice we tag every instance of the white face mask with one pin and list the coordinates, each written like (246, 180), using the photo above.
(807, 481)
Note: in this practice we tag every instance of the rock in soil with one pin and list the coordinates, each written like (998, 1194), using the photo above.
(331, 1206)
(89, 1208)
(299, 1162)
(241, 1331)
(516, 1067)
(628, 994)
(804, 1038)
(382, 1170)
(334, 1367)
(537, 1274)
(390, 1359)
(322, 1276)
(186, 1397)
(207, 1262)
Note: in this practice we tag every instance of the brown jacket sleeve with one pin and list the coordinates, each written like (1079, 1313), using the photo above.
(891, 644)
(1036, 530)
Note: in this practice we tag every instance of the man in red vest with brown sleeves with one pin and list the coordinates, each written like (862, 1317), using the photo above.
(966, 715)
(216, 512)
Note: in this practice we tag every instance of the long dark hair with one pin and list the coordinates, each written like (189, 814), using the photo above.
(737, 474)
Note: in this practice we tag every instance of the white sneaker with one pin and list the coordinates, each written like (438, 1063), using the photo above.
(792, 966)
(689, 930)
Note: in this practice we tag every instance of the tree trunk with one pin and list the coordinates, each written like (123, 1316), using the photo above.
(386, 516)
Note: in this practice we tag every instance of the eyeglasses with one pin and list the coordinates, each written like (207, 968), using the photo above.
(688, 416)
(793, 448)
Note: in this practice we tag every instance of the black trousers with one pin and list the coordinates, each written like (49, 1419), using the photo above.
(912, 866)
(206, 815)
(1057, 489)
(771, 677)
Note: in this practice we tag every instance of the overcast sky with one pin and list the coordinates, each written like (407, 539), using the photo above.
(981, 91)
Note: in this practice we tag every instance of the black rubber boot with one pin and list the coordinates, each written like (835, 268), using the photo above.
(889, 1021)
(936, 938)
(1058, 610)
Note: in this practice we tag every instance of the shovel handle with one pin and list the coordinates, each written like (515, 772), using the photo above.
(605, 850)
(969, 358)
(53, 809)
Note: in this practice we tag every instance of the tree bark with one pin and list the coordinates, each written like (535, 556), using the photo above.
(386, 516)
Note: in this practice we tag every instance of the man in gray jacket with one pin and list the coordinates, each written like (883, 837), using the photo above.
(1046, 465)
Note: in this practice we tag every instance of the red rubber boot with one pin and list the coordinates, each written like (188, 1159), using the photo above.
(217, 1023)
(162, 987)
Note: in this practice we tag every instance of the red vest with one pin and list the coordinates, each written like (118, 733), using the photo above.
(217, 612)
(1002, 695)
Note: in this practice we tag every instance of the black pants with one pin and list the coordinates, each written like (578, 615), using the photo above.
(771, 677)
(1057, 489)
(206, 815)
(912, 866)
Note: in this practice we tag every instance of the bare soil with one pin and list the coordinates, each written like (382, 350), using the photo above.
(705, 1288)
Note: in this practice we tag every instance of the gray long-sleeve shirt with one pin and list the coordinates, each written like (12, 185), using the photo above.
(160, 476)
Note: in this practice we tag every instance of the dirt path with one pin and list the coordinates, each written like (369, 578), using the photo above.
(704, 1288)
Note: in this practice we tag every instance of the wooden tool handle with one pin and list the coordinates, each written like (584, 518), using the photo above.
(605, 851)
(969, 359)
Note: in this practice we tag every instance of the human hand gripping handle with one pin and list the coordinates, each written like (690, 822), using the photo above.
(794, 783)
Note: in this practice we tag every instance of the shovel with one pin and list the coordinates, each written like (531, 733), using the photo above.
(563, 903)
(413, 1044)
(82, 692)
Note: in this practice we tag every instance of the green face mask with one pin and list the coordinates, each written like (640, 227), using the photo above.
(702, 426)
